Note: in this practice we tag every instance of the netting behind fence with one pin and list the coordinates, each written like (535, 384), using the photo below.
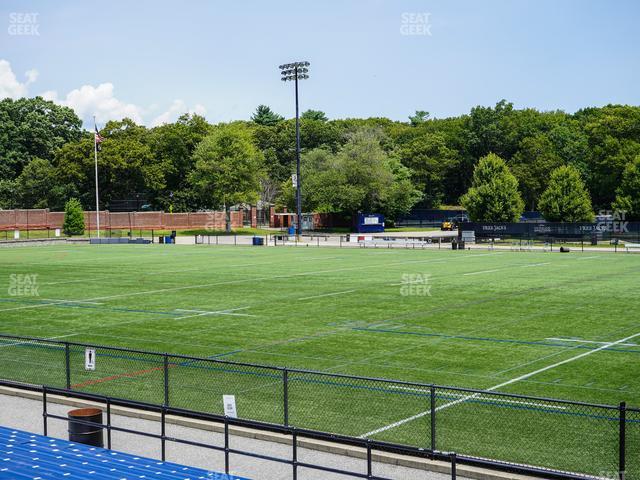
(544, 433)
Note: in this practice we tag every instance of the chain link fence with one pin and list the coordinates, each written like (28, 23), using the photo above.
(588, 440)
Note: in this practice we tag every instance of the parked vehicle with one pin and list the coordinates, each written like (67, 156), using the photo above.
(452, 223)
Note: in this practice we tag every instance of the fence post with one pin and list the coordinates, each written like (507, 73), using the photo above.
(453, 466)
(163, 427)
(369, 469)
(622, 441)
(166, 379)
(294, 455)
(109, 423)
(226, 445)
(433, 418)
(67, 365)
(44, 409)
(285, 385)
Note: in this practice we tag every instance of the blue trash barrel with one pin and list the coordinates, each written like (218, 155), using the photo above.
(168, 239)
(258, 241)
(292, 230)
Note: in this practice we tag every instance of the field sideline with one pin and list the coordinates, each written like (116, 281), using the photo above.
(548, 324)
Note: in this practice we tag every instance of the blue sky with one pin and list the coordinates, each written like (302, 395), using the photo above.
(155, 59)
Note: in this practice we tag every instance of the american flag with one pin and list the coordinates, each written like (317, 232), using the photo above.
(99, 139)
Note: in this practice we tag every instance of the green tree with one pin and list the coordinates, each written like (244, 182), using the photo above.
(38, 186)
(318, 115)
(126, 165)
(494, 195)
(429, 160)
(33, 128)
(420, 116)
(628, 193)
(361, 176)
(566, 199)
(8, 194)
(228, 169)
(172, 146)
(531, 164)
(265, 116)
(73, 218)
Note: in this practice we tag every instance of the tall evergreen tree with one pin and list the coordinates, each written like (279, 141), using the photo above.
(265, 116)
(314, 115)
(73, 218)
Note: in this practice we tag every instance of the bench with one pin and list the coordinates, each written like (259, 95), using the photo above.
(628, 246)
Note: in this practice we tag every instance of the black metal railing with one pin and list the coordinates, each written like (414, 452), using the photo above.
(522, 433)
(368, 446)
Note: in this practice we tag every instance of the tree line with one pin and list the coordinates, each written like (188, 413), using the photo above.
(495, 161)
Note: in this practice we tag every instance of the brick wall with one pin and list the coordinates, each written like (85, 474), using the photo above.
(41, 219)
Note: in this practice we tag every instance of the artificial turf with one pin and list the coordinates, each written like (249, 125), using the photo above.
(478, 319)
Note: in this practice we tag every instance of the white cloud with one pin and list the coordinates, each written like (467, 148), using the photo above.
(100, 101)
(10, 86)
(177, 108)
(32, 75)
(88, 100)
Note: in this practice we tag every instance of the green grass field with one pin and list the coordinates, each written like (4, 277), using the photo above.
(541, 324)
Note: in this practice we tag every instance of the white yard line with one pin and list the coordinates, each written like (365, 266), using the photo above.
(577, 340)
(66, 281)
(172, 271)
(481, 272)
(39, 305)
(229, 311)
(58, 300)
(536, 264)
(500, 385)
(327, 295)
(32, 343)
(50, 302)
(497, 399)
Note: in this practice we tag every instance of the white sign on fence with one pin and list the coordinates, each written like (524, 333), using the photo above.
(57, 232)
(16, 234)
(90, 359)
(230, 406)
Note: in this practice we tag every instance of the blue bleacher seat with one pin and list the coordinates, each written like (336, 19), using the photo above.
(35, 457)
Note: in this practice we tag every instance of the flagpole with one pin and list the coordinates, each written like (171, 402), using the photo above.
(95, 153)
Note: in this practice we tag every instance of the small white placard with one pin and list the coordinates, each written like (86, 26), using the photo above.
(90, 359)
(230, 406)
(294, 180)
(57, 232)
(16, 234)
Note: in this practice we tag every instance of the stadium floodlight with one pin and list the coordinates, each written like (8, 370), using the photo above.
(292, 72)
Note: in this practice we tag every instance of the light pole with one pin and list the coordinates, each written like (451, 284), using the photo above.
(293, 72)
